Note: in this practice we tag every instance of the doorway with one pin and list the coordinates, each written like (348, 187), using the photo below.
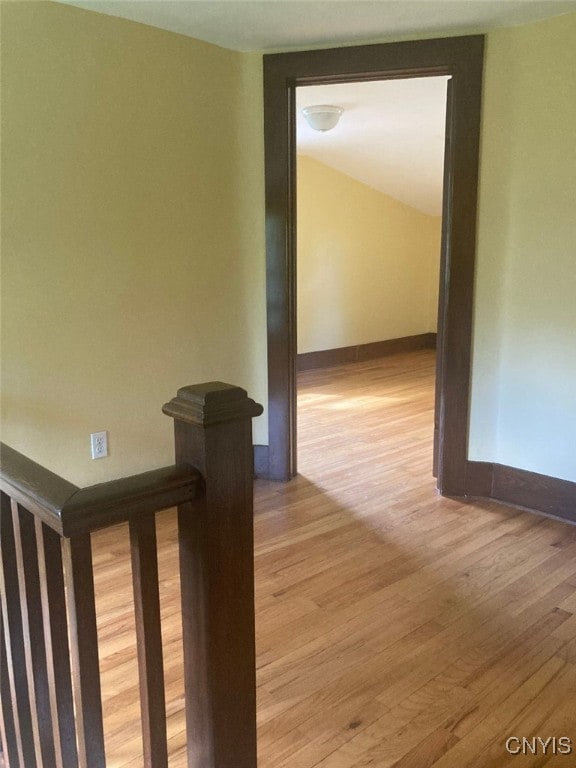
(459, 58)
(369, 205)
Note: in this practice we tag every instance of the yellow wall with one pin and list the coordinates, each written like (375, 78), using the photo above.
(131, 159)
(524, 403)
(133, 238)
(367, 263)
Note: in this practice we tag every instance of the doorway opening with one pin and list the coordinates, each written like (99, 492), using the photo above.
(369, 224)
(460, 58)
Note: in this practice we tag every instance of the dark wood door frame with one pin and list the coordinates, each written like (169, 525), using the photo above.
(462, 59)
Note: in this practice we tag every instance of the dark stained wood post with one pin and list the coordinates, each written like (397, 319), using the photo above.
(213, 431)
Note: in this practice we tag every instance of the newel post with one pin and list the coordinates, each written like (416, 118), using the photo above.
(213, 432)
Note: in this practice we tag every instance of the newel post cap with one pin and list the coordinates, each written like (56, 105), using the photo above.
(211, 403)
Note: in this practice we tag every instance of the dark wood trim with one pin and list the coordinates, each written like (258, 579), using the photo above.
(326, 358)
(39, 490)
(444, 264)
(70, 510)
(479, 479)
(541, 493)
(261, 466)
(99, 506)
(520, 488)
(459, 57)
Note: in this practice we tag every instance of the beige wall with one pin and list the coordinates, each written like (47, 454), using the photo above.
(132, 245)
(367, 264)
(133, 226)
(524, 402)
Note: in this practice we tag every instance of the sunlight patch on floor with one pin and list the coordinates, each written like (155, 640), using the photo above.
(338, 403)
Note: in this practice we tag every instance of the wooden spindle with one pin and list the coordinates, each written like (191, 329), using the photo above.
(25, 753)
(79, 579)
(197, 678)
(7, 727)
(32, 625)
(57, 646)
(149, 639)
(213, 431)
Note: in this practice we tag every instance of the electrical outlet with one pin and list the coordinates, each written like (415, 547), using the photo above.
(99, 444)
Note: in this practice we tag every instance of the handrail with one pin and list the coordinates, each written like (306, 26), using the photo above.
(70, 510)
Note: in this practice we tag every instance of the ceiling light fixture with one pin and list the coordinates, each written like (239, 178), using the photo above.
(322, 117)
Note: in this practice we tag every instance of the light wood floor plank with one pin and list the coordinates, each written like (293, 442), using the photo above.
(395, 628)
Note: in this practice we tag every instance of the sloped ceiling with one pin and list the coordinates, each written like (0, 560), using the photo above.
(390, 136)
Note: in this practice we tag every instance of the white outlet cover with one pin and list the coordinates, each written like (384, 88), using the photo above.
(99, 445)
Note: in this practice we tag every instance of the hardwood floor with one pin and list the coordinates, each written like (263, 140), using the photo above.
(394, 627)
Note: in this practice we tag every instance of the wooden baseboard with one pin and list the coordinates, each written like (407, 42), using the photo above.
(326, 358)
(261, 464)
(542, 493)
(520, 488)
(479, 478)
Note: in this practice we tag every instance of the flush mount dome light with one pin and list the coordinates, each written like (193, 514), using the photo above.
(322, 117)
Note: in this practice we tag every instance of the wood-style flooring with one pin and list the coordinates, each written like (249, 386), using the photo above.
(395, 628)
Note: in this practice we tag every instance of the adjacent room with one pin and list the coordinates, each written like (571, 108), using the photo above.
(369, 220)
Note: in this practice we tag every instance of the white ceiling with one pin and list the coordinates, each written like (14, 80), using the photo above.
(390, 136)
(263, 25)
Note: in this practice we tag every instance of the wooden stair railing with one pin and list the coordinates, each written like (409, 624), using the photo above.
(51, 706)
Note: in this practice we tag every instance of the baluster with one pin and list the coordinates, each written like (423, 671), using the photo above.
(25, 754)
(32, 625)
(57, 647)
(149, 639)
(79, 578)
(7, 727)
(213, 432)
